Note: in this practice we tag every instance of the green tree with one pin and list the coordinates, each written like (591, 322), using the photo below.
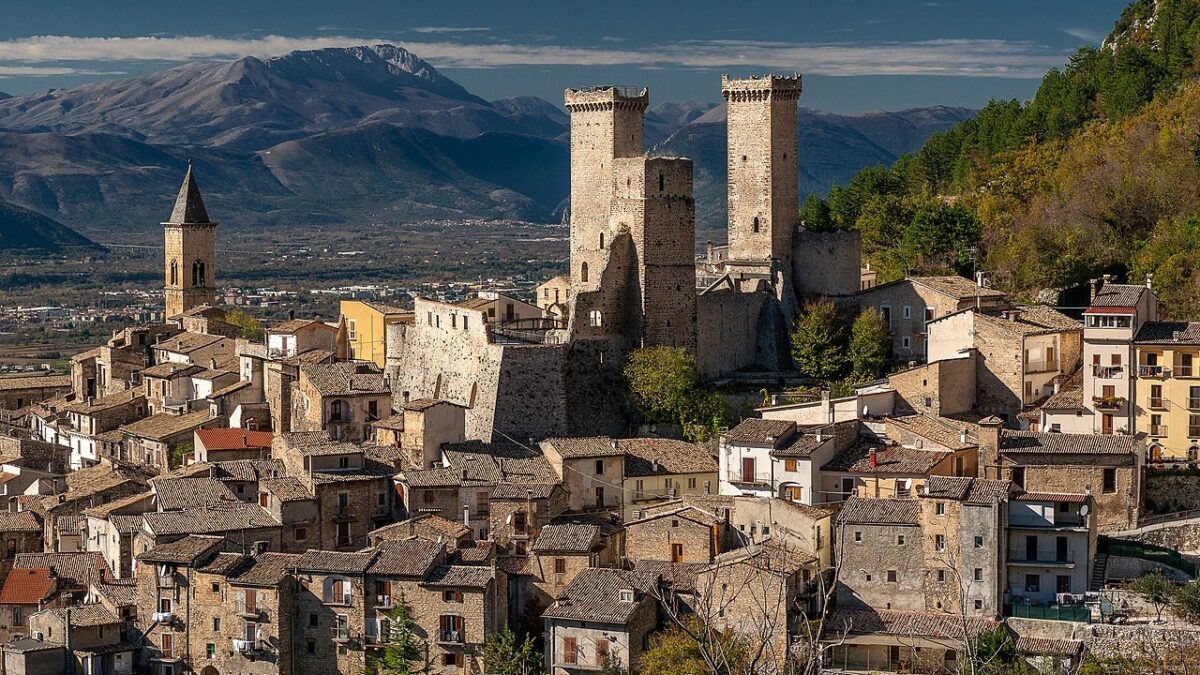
(869, 343)
(247, 324)
(503, 654)
(814, 214)
(666, 388)
(694, 651)
(994, 652)
(1185, 602)
(1154, 589)
(818, 342)
(405, 652)
(178, 453)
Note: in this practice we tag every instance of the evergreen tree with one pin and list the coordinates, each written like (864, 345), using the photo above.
(814, 214)
(406, 652)
(869, 342)
(666, 388)
(503, 654)
(818, 342)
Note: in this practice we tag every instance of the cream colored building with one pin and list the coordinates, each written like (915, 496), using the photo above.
(366, 328)
(1167, 399)
(1115, 315)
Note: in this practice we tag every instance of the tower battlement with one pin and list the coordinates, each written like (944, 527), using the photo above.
(606, 97)
(778, 85)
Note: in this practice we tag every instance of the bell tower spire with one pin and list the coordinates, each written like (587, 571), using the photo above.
(189, 261)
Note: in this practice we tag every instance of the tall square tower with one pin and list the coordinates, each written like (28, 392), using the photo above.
(606, 123)
(764, 204)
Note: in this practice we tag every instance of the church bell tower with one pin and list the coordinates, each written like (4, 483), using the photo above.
(189, 257)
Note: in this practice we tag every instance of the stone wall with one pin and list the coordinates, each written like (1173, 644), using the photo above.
(940, 388)
(877, 552)
(1000, 378)
(826, 263)
(738, 330)
(1117, 510)
(655, 538)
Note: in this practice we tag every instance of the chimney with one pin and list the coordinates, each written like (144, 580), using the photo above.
(979, 278)
(654, 465)
(467, 515)
(1150, 280)
(212, 363)
(989, 447)
(291, 314)
(872, 459)
(1094, 285)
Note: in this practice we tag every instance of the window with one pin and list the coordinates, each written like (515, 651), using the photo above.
(660, 182)
(906, 312)
(626, 595)
(1033, 583)
(978, 604)
(583, 273)
(940, 508)
(1116, 359)
(341, 630)
(891, 576)
(754, 223)
(601, 240)
(941, 575)
(452, 596)
(676, 553)
(263, 499)
(335, 411)
(939, 542)
(301, 534)
(978, 574)
(900, 540)
(602, 644)
(251, 601)
(978, 541)
(599, 496)
(1018, 476)
(312, 647)
(210, 650)
(906, 342)
(168, 645)
(858, 535)
(594, 318)
(216, 587)
(568, 650)
(352, 329)
(216, 624)
(313, 620)
(1110, 480)
(789, 465)
(560, 565)
(599, 467)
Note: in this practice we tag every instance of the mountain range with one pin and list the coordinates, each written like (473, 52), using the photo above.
(358, 136)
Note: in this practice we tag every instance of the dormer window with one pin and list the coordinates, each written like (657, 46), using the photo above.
(626, 595)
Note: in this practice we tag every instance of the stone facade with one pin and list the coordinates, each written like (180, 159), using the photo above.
(685, 535)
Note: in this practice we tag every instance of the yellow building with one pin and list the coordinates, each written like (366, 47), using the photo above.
(366, 328)
(660, 469)
(1167, 389)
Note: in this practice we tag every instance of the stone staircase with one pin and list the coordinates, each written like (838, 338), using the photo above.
(1099, 572)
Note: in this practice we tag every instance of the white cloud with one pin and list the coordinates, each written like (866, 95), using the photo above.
(450, 29)
(956, 57)
(51, 71)
(1085, 34)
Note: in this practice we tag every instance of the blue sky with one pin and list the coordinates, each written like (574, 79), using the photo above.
(856, 55)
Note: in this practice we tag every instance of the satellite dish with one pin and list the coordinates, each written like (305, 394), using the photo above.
(1084, 510)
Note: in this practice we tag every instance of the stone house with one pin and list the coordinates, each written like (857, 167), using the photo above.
(18, 392)
(243, 522)
(300, 335)
(908, 305)
(111, 528)
(90, 418)
(193, 348)
(882, 555)
(940, 388)
(899, 641)
(591, 470)
(168, 386)
(658, 469)
(343, 399)
(552, 297)
(503, 311)
(767, 590)
(777, 458)
(1110, 468)
(97, 638)
(353, 492)
(24, 592)
(330, 631)
(161, 441)
(887, 469)
(686, 534)
(1063, 412)
(278, 380)
(85, 488)
(425, 526)
(27, 656)
(1020, 351)
(426, 425)
(519, 512)
(559, 554)
(20, 532)
(965, 522)
(603, 616)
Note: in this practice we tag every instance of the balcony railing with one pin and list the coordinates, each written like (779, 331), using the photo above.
(1057, 520)
(383, 601)
(1183, 371)
(450, 636)
(749, 479)
(1041, 556)
(1148, 370)
(1158, 430)
(1041, 366)
(335, 599)
(1107, 371)
(1108, 402)
(1157, 403)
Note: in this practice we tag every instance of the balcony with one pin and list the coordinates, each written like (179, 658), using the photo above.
(1108, 402)
(1107, 372)
(1151, 370)
(1158, 430)
(162, 617)
(252, 613)
(452, 637)
(383, 601)
(1183, 371)
(341, 634)
(1041, 366)
(166, 581)
(335, 599)
(1058, 520)
(1156, 403)
(742, 478)
(1041, 557)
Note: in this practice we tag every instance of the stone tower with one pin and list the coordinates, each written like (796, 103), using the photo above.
(188, 236)
(764, 203)
(606, 123)
(652, 201)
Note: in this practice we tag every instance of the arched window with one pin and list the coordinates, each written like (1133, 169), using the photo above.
(174, 272)
(583, 274)
(755, 224)
(198, 273)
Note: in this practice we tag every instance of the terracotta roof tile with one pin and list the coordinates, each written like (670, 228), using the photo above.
(584, 446)
(662, 457)
(459, 576)
(889, 460)
(1118, 295)
(185, 551)
(964, 489)
(567, 538)
(174, 494)
(315, 560)
(908, 624)
(73, 568)
(28, 586)
(210, 521)
(1033, 442)
(757, 432)
(267, 569)
(858, 510)
(406, 557)
(595, 596)
(347, 378)
(234, 439)
(164, 425)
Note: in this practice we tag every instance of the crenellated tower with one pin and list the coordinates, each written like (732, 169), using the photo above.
(764, 204)
(189, 261)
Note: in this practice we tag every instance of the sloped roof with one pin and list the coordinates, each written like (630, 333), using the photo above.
(34, 382)
(266, 569)
(567, 538)
(405, 557)
(93, 614)
(185, 493)
(21, 521)
(183, 551)
(969, 490)
(664, 456)
(758, 432)
(458, 576)
(584, 446)
(881, 511)
(595, 595)
(1169, 332)
(75, 568)
(909, 624)
(939, 430)
(957, 287)
(889, 460)
(234, 439)
(225, 519)
(1118, 295)
(315, 560)
(28, 586)
(164, 425)
(1069, 395)
(345, 378)
(1034, 442)
(189, 205)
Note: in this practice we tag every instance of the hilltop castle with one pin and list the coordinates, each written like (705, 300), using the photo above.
(633, 274)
